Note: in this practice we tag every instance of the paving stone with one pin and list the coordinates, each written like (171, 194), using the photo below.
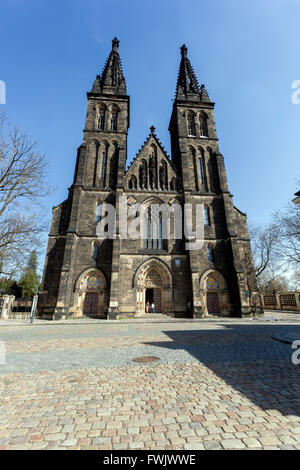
(232, 444)
(251, 442)
(234, 388)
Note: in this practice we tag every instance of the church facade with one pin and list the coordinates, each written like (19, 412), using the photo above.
(118, 277)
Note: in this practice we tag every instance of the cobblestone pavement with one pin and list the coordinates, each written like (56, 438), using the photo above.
(218, 384)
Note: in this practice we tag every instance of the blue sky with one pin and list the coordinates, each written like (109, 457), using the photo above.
(245, 52)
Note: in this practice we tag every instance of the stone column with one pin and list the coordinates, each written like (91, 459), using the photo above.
(197, 307)
(278, 304)
(7, 306)
(297, 297)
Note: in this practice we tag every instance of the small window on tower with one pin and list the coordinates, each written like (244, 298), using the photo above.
(101, 120)
(114, 121)
(203, 125)
(191, 125)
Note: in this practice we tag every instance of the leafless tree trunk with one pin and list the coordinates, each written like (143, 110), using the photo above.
(264, 241)
(23, 184)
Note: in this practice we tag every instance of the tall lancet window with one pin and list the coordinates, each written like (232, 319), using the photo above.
(203, 125)
(153, 230)
(191, 124)
(114, 118)
(114, 121)
(201, 170)
(163, 175)
(101, 120)
(103, 163)
(143, 174)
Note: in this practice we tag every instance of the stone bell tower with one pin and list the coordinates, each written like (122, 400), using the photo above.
(196, 155)
(73, 247)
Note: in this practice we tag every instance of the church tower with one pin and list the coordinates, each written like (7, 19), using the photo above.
(73, 246)
(196, 155)
(120, 276)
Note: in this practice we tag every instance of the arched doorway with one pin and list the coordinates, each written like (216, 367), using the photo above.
(214, 291)
(153, 284)
(91, 290)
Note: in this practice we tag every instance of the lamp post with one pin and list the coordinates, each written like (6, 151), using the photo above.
(33, 308)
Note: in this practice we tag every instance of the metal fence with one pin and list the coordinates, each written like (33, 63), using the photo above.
(281, 301)
(21, 308)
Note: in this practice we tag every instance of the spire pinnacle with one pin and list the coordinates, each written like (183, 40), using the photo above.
(183, 50)
(115, 44)
(187, 83)
(112, 80)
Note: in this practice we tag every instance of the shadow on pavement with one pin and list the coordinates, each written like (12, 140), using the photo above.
(248, 360)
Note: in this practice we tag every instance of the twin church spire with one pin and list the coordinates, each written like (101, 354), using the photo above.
(187, 84)
(112, 80)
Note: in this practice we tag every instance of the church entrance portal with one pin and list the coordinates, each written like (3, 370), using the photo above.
(153, 284)
(153, 296)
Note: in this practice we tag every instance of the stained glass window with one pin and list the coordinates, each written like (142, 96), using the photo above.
(212, 283)
(92, 282)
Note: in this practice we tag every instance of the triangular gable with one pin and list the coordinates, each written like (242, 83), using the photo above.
(143, 153)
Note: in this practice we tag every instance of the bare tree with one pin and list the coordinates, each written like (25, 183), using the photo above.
(264, 241)
(269, 282)
(288, 225)
(23, 183)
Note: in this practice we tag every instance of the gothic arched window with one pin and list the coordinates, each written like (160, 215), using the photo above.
(201, 167)
(203, 125)
(101, 121)
(114, 118)
(191, 124)
(152, 173)
(103, 163)
(206, 215)
(153, 230)
(163, 175)
(114, 122)
(143, 175)
(113, 165)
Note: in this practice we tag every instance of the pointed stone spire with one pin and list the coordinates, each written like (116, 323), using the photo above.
(187, 83)
(204, 94)
(112, 80)
(97, 85)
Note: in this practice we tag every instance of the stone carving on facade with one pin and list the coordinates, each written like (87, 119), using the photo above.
(131, 201)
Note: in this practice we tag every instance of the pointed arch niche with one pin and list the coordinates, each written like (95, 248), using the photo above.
(91, 297)
(153, 282)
